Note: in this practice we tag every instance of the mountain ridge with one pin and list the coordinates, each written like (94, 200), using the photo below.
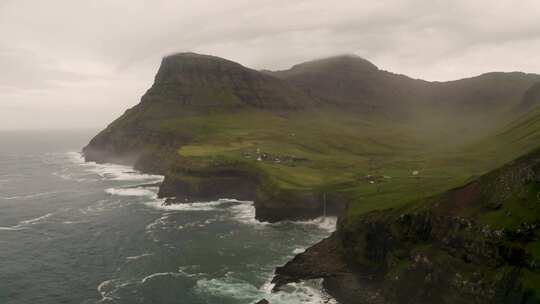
(366, 144)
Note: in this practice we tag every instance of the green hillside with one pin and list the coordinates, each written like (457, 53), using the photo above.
(388, 153)
(339, 129)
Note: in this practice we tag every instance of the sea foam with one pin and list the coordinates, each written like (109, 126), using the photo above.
(113, 172)
(309, 292)
(23, 225)
(132, 192)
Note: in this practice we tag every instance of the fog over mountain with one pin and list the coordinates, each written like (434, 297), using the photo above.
(79, 64)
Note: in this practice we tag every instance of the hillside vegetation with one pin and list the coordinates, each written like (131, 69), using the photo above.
(340, 136)
(338, 128)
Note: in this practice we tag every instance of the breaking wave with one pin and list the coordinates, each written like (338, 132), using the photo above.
(309, 292)
(151, 193)
(113, 172)
(26, 224)
(36, 220)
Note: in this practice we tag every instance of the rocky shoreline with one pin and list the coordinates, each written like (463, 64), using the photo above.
(185, 184)
(423, 255)
(326, 260)
(228, 184)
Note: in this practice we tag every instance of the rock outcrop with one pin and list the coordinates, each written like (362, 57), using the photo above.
(442, 250)
(191, 79)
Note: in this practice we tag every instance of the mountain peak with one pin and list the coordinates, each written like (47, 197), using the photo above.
(179, 67)
(342, 62)
(209, 81)
(191, 56)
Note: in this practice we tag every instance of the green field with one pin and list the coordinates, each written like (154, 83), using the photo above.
(375, 162)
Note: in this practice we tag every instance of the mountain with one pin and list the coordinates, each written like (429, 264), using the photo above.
(352, 80)
(473, 107)
(288, 138)
(349, 80)
(339, 136)
(188, 85)
(190, 79)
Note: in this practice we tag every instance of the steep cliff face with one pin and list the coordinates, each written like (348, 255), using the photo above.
(190, 79)
(189, 85)
(475, 244)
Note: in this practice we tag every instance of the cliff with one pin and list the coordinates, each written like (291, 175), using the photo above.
(341, 136)
(288, 139)
(478, 243)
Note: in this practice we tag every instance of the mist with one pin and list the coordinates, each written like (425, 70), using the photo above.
(80, 64)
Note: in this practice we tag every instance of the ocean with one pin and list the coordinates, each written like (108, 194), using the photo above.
(77, 232)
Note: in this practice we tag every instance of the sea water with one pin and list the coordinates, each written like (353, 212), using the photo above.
(78, 232)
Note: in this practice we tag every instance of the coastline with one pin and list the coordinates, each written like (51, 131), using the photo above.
(328, 222)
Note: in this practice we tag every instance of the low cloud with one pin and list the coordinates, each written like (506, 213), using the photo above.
(73, 64)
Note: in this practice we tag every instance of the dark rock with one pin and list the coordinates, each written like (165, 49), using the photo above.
(326, 260)
(194, 79)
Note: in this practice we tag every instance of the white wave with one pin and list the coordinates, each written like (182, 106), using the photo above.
(104, 290)
(96, 208)
(75, 157)
(23, 225)
(73, 222)
(136, 257)
(14, 228)
(306, 292)
(183, 271)
(196, 206)
(268, 286)
(35, 220)
(161, 223)
(121, 173)
(158, 222)
(113, 172)
(244, 212)
(108, 288)
(298, 250)
(228, 288)
(159, 274)
(63, 174)
(148, 192)
(309, 292)
(327, 223)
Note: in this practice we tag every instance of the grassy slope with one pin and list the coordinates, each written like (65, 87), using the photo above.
(509, 195)
(329, 150)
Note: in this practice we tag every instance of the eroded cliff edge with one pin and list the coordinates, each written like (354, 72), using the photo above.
(474, 244)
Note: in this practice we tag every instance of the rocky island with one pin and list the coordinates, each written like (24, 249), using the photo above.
(436, 183)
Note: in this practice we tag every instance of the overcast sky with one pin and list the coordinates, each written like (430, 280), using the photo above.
(81, 63)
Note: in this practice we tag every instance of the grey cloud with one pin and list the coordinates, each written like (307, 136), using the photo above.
(22, 69)
(94, 58)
